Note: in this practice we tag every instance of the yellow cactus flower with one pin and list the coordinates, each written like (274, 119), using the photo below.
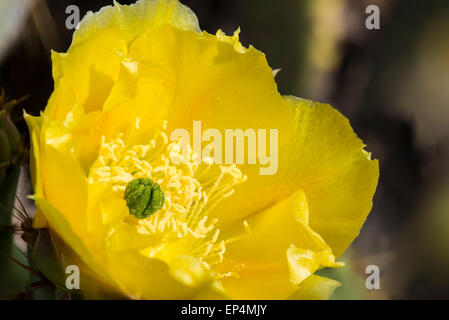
(134, 74)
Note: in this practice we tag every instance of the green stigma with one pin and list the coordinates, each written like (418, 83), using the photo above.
(143, 197)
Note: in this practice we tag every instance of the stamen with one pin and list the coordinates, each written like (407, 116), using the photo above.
(183, 194)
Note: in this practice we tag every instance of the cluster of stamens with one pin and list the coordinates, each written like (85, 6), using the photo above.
(191, 190)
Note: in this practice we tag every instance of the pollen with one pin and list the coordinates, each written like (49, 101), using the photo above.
(191, 191)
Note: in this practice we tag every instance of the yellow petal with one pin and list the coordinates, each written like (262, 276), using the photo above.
(91, 66)
(63, 181)
(136, 19)
(337, 175)
(92, 286)
(138, 101)
(34, 126)
(65, 231)
(304, 262)
(315, 288)
(279, 252)
(155, 279)
(223, 88)
(87, 74)
(326, 160)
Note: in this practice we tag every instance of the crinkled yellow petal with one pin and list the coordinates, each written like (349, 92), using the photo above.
(139, 100)
(141, 17)
(325, 159)
(278, 253)
(337, 175)
(91, 66)
(216, 84)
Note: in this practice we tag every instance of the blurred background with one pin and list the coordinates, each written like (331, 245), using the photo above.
(392, 83)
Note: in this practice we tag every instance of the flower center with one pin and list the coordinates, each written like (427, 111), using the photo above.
(143, 197)
(190, 190)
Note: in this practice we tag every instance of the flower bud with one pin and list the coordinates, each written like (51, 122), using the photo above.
(10, 129)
